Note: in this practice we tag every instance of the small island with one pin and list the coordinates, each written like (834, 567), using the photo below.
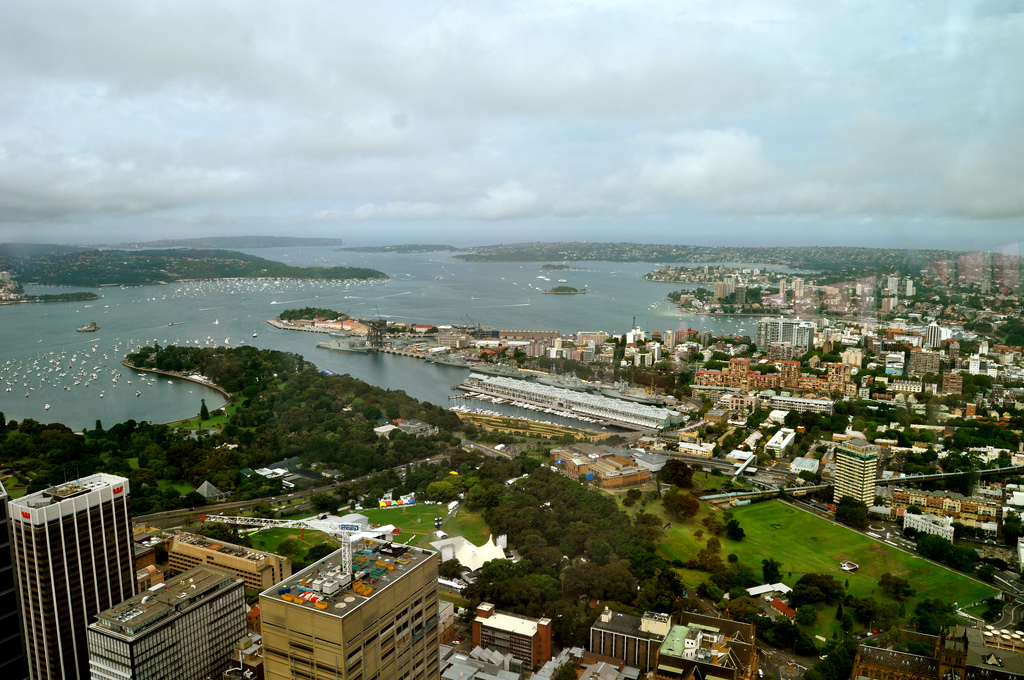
(565, 290)
(310, 313)
(557, 268)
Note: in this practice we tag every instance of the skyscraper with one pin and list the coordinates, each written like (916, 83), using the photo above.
(856, 471)
(72, 551)
(371, 615)
(12, 657)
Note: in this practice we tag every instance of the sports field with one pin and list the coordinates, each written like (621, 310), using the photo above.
(804, 543)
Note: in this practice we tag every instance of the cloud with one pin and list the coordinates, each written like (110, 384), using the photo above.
(595, 113)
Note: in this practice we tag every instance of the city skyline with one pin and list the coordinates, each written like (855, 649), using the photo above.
(711, 124)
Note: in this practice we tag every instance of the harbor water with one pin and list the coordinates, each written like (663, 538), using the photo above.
(42, 356)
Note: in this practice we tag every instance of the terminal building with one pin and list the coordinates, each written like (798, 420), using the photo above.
(258, 569)
(368, 611)
(616, 411)
(186, 628)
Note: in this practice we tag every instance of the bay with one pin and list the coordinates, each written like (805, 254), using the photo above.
(38, 341)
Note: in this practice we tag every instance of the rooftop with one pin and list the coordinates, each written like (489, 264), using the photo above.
(135, 615)
(79, 487)
(205, 543)
(324, 586)
(511, 623)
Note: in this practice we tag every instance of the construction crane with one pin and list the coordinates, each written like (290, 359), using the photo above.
(346, 533)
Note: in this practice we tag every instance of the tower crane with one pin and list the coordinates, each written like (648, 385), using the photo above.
(346, 533)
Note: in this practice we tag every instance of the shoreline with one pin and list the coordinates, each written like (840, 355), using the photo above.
(227, 395)
(26, 302)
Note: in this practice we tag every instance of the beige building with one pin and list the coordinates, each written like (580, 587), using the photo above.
(856, 470)
(378, 621)
(258, 569)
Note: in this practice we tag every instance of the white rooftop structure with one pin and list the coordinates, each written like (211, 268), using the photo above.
(804, 465)
(470, 556)
(757, 591)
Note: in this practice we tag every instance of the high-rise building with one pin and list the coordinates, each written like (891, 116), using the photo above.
(669, 338)
(908, 287)
(73, 555)
(782, 290)
(794, 331)
(13, 665)
(856, 471)
(798, 289)
(940, 270)
(375, 617)
(185, 628)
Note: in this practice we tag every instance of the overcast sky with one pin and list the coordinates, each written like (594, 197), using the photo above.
(894, 123)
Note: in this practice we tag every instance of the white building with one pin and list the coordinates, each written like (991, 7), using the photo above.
(930, 524)
(780, 441)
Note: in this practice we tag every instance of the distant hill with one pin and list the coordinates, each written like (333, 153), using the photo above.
(141, 267)
(36, 249)
(405, 248)
(232, 242)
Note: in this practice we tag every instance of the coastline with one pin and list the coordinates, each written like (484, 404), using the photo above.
(172, 374)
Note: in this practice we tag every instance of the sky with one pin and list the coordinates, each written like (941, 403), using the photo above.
(719, 122)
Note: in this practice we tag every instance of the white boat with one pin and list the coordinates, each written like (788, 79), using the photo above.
(254, 334)
(47, 407)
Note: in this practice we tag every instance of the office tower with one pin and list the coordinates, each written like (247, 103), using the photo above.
(186, 629)
(798, 289)
(856, 471)
(933, 336)
(892, 285)
(794, 331)
(782, 289)
(13, 665)
(370, 612)
(73, 554)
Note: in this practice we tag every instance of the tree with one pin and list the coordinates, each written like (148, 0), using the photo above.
(770, 570)
(565, 672)
(807, 615)
(320, 551)
(204, 413)
(288, 546)
(680, 504)
(450, 569)
(323, 502)
(896, 587)
(734, 531)
(676, 473)
(852, 513)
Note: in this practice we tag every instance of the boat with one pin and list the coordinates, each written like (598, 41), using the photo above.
(47, 407)
(348, 344)
(254, 334)
(137, 393)
(90, 328)
(216, 322)
(176, 323)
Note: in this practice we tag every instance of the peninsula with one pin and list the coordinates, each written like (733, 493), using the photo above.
(142, 267)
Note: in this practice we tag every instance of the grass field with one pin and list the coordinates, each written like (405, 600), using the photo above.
(183, 488)
(269, 539)
(806, 543)
(418, 521)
